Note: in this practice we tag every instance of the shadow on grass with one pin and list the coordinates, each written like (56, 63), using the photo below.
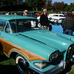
(3, 58)
(68, 68)
(7, 66)
(8, 69)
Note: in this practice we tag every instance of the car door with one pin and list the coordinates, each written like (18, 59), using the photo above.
(2, 26)
(5, 33)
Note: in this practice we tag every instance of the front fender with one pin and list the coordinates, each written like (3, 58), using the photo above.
(27, 54)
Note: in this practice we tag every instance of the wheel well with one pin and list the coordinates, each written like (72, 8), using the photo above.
(24, 59)
(1, 47)
(13, 55)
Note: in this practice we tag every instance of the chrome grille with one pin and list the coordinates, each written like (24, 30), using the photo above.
(70, 53)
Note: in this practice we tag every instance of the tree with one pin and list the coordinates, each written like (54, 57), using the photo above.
(72, 7)
(49, 5)
(10, 2)
(19, 1)
(59, 6)
(35, 3)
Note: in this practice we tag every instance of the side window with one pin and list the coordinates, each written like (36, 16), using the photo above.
(2, 25)
(61, 16)
(55, 15)
(7, 29)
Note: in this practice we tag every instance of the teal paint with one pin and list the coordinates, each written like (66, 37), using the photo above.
(40, 42)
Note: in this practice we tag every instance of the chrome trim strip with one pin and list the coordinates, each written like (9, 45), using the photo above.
(54, 70)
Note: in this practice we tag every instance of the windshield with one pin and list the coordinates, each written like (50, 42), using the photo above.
(23, 25)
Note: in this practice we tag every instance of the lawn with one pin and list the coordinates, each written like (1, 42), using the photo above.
(40, 12)
(7, 66)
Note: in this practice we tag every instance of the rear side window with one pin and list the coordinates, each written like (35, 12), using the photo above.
(2, 25)
(61, 15)
(55, 15)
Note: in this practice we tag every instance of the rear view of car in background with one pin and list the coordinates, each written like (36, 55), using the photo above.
(56, 18)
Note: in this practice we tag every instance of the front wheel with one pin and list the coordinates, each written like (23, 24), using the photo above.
(22, 64)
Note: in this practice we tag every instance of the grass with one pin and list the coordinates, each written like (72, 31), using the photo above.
(40, 12)
(7, 66)
(72, 70)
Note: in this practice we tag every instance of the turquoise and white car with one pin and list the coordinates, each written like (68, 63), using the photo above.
(36, 50)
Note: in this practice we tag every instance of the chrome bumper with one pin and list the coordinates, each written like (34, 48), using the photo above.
(72, 59)
(54, 70)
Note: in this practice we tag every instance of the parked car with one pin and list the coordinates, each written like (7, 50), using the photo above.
(38, 14)
(41, 51)
(57, 27)
(34, 14)
(55, 15)
(56, 18)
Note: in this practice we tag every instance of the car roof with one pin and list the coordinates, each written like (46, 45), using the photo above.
(13, 17)
(55, 14)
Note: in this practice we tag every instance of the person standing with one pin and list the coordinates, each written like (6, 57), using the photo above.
(15, 13)
(8, 13)
(68, 25)
(44, 20)
(20, 13)
(72, 20)
(25, 13)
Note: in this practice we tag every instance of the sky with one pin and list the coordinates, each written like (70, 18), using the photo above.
(65, 1)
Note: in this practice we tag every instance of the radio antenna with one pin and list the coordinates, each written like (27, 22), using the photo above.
(16, 23)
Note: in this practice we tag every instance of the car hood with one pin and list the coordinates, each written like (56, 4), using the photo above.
(42, 42)
(58, 18)
(48, 38)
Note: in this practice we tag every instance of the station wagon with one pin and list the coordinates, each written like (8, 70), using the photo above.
(35, 50)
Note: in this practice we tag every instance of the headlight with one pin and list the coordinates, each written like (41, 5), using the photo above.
(53, 56)
(59, 21)
(56, 54)
(55, 21)
(41, 65)
(69, 54)
(69, 49)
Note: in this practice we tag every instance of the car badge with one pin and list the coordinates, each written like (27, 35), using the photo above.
(70, 39)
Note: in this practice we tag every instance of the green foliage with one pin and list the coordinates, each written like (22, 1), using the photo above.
(71, 7)
(49, 5)
(35, 3)
(59, 6)
(10, 2)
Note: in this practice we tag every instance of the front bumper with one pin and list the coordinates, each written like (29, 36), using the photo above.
(72, 59)
(54, 70)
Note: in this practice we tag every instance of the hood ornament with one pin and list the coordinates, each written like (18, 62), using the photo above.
(70, 39)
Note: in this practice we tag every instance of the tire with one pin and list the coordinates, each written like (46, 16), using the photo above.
(1, 47)
(22, 65)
